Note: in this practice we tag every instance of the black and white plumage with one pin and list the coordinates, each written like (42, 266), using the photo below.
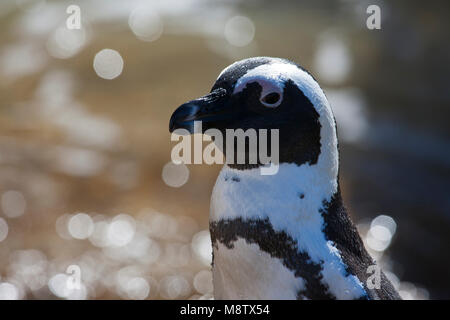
(288, 235)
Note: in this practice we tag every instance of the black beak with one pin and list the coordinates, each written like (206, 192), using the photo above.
(208, 109)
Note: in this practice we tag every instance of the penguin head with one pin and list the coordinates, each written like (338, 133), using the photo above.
(266, 93)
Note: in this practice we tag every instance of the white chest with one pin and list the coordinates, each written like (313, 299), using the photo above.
(246, 272)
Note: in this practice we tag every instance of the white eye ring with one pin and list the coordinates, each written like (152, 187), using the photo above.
(271, 100)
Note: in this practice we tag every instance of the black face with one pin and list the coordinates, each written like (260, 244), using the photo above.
(257, 105)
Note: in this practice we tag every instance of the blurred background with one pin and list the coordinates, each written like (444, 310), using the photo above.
(85, 175)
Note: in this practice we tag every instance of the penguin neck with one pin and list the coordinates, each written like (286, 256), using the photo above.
(305, 187)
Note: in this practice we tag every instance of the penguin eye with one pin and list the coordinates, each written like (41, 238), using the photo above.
(271, 100)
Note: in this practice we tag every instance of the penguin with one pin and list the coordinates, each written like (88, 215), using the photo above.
(286, 235)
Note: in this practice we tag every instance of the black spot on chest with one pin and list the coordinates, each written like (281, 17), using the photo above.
(233, 179)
